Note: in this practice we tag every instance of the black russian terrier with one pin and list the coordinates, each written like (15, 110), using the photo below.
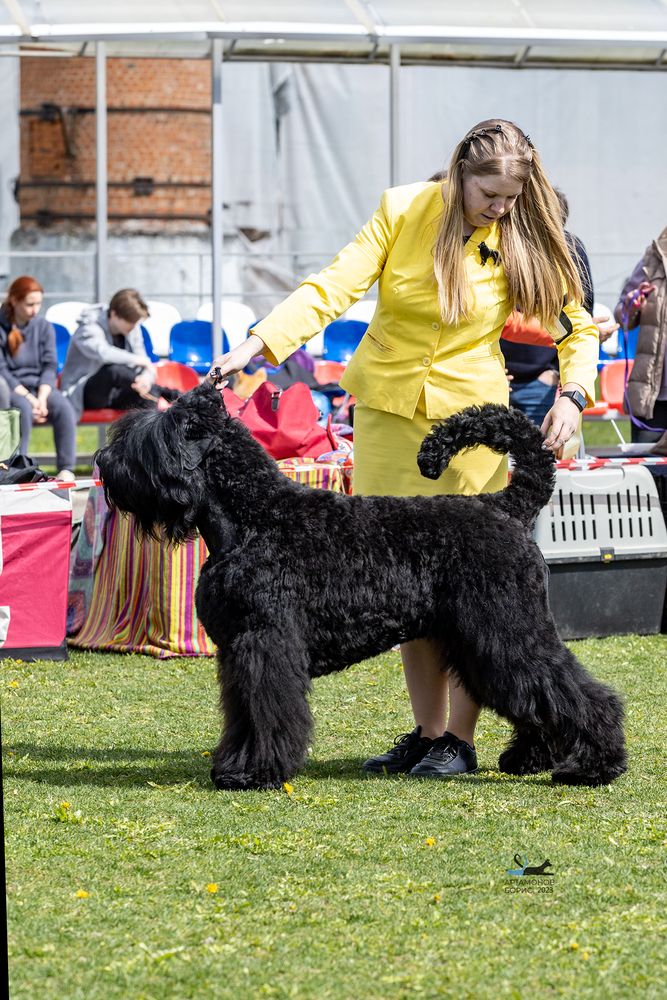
(303, 582)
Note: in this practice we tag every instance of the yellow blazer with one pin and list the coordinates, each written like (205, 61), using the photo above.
(407, 350)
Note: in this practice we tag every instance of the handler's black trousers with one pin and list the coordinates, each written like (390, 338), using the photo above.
(112, 386)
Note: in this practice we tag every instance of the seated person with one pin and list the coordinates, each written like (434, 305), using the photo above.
(107, 364)
(28, 363)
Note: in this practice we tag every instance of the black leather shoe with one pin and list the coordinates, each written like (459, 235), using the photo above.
(408, 750)
(447, 757)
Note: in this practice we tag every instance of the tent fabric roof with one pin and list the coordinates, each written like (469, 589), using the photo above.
(624, 33)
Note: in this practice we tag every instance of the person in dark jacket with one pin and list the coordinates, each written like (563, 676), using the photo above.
(28, 362)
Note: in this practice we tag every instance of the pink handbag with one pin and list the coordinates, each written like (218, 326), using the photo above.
(283, 421)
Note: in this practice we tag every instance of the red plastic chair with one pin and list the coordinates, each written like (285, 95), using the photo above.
(174, 375)
(328, 371)
(612, 383)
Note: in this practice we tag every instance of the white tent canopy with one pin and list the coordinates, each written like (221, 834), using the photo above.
(507, 32)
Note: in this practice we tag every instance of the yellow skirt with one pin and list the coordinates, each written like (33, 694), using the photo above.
(385, 459)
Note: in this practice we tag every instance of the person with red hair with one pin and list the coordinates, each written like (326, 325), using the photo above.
(28, 363)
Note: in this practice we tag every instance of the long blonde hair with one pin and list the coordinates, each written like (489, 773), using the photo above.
(539, 268)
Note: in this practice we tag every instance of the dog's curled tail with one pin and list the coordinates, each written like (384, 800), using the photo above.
(503, 430)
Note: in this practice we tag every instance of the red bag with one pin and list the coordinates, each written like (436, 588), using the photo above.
(283, 421)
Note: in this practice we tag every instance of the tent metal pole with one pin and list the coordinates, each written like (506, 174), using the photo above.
(101, 172)
(217, 233)
(394, 115)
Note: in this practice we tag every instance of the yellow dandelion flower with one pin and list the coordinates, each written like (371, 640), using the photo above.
(212, 887)
(13, 684)
(437, 898)
(288, 788)
(65, 805)
(585, 955)
(430, 841)
(82, 894)
(573, 945)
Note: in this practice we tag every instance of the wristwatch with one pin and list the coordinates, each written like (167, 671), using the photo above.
(577, 398)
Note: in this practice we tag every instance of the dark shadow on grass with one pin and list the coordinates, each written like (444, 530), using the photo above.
(121, 767)
(350, 768)
(116, 766)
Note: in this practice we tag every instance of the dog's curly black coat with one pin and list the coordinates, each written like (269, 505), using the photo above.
(303, 582)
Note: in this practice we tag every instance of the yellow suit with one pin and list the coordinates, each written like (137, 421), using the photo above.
(409, 364)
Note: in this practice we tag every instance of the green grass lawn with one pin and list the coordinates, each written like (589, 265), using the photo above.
(130, 877)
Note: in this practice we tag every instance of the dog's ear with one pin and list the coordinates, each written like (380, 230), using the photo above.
(196, 452)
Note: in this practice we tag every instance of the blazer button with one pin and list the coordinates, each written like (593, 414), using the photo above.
(426, 361)
(435, 326)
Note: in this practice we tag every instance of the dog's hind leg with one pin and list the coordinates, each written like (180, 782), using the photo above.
(511, 659)
(565, 719)
(594, 751)
(528, 752)
(264, 685)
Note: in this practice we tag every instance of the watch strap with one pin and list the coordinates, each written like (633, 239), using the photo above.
(577, 398)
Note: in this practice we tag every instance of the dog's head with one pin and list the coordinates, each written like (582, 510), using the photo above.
(154, 464)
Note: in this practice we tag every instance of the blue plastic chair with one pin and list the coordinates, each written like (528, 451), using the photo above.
(341, 339)
(63, 338)
(190, 342)
(148, 344)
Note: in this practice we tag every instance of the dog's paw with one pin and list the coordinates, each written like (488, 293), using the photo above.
(241, 781)
(571, 774)
(531, 760)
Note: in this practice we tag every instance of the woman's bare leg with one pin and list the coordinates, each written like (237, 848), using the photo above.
(427, 685)
(463, 713)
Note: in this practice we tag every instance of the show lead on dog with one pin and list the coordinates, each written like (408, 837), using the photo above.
(452, 260)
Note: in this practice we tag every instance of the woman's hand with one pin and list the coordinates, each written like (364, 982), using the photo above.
(634, 302)
(39, 409)
(606, 326)
(560, 424)
(143, 382)
(235, 360)
(43, 393)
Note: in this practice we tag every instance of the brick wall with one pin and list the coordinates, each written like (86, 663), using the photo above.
(158, 127)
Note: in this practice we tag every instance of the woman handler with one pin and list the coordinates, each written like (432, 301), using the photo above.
(452, 261)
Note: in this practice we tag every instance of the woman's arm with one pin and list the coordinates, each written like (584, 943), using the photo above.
(48, 357)
(92, 343)
(578, 348)
(578, 345)
(5, 372)
(637, 278)
(322, 297)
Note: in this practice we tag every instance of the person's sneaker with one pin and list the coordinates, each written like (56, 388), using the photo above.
(408, 750)
(447, 757)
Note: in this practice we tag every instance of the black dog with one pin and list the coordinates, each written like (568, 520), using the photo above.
(303, 582)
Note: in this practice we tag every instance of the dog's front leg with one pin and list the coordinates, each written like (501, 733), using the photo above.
(264, 685)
